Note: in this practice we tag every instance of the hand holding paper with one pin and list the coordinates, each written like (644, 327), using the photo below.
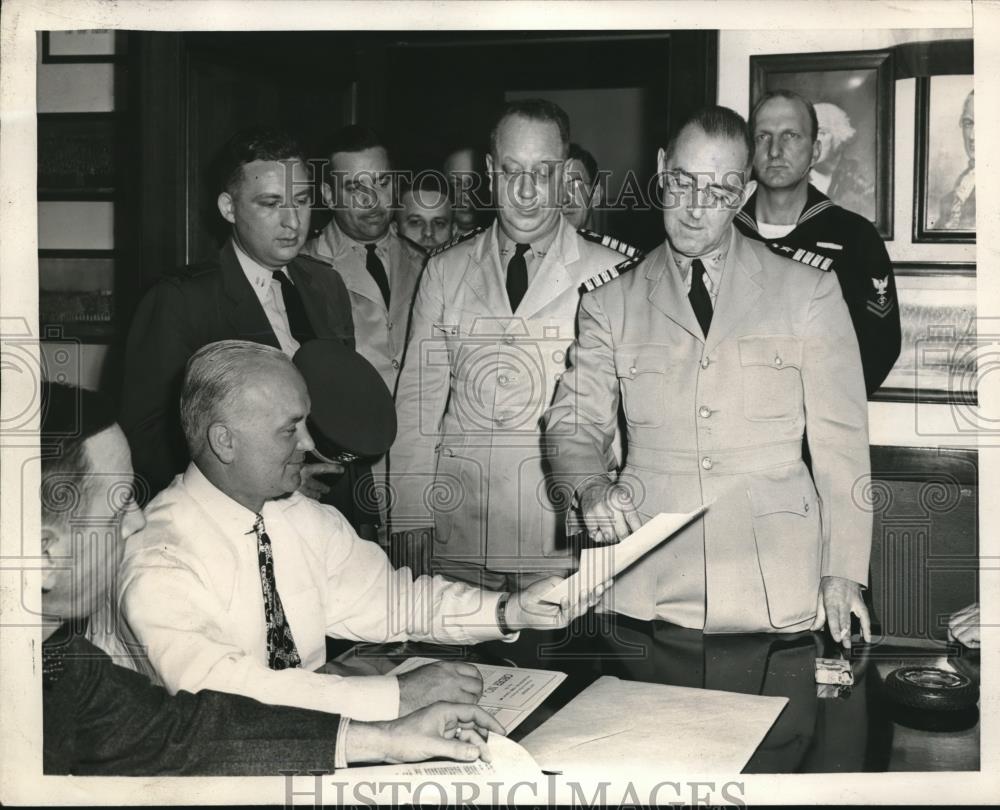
(533, 609)
(602, 564)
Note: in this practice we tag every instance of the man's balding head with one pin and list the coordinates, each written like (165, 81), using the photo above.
(243, 410)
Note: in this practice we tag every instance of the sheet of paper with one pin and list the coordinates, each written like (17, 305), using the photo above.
(632, 727)
(603, 562)
(509, 762)
(510, 694)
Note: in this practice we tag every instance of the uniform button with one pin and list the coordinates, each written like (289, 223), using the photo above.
(706, 463)
(704, 362)
(805, 507)
(389, 324)
(632, 370)
(503, 379)
(508, 339)
(448, 452)
(777, 361)
(500, 420)
(395, 364)
(557, 377)
(704, 412)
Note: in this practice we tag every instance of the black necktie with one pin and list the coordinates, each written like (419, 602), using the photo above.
(700, 300)
(377, 271)
(517, 276)
(298, 321)
(281, 652)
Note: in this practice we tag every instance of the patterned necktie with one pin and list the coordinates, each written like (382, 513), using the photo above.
(517, 276)
(377, 271)
(281, 652)
(700, 300)
(298, 321)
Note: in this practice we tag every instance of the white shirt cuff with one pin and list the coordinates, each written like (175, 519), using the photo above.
(340, 752)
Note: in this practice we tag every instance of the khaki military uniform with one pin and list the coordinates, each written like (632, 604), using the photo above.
(720, 420)
(380, 331)
(468, 457)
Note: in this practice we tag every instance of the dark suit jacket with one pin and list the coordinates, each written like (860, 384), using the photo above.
(182, 313)
(102, 719)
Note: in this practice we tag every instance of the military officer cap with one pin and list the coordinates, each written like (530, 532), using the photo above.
(352, 410)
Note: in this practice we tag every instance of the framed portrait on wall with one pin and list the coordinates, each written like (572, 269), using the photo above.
(76, 293)
(854, 94)
(945, 165)
(937, 358)
(76, 156)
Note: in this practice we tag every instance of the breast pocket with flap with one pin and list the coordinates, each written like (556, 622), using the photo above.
(643, 371)
(771, 367)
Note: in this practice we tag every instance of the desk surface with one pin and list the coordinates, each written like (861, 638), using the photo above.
(862, 730)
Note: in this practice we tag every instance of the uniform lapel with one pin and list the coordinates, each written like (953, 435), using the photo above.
(246, 316)
(314, 297)
(668, 294)
(404, 272)
(484, 275)
(555, 274)
(739, 291)
(350, 264)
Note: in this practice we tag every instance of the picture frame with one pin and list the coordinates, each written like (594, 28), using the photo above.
(937, 358)
(82, 46)
(76, 156)
(854, 94)
(76, 296)
(944, 202)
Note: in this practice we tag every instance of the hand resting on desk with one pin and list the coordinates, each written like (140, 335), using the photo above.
(450, 730)
(453, 681)
(838, 598)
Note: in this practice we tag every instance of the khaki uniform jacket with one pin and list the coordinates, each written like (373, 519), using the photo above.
(468, 454)
(720, 421)
(380, 332)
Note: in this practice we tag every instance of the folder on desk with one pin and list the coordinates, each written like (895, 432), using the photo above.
(632, 727)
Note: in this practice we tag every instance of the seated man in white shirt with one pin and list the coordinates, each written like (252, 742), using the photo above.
(234, 584)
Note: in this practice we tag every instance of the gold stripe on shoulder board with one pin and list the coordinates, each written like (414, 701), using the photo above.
(610, 274)
(610, 242)
(457, 240)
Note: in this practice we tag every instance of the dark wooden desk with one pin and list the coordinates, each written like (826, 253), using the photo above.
(860, 731)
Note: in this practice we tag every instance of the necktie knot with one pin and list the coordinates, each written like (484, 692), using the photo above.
(258, 526)
(520, 249)
(371, 247)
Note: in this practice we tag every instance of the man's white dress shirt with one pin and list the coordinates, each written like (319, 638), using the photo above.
(268, 291)
(190, 592)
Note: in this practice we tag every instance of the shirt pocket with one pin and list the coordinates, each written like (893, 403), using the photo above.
(642, 372)
(786, 531)
(771, 368)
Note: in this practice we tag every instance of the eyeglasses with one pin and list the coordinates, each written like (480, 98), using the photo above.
(709, 194)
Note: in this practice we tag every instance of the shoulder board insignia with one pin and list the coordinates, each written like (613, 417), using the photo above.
(457, 240)
(610, 242)
(610, 274)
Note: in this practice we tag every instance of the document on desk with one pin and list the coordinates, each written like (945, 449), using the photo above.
(510, 762)
(510, 694)
(632, 727)
(601, 563)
